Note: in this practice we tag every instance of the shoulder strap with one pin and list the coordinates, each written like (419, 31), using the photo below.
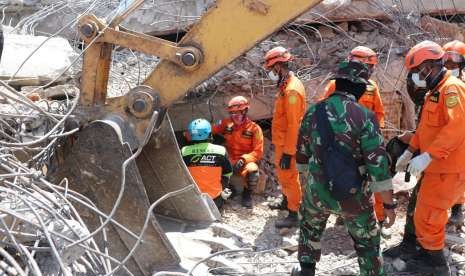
(323, 125)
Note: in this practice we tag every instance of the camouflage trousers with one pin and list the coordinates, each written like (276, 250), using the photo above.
(359, 219)
(409, 229)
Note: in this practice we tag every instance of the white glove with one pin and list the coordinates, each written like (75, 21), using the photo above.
(402, 162)
(419, 164)
(226, 193)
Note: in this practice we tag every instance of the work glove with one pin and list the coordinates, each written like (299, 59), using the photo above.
(403, 161)
(238, 166)
(285, 162)
(418, 164)
(226, 193)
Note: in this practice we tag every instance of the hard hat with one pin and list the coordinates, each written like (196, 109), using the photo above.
(455, 51)
(199, 129)
(277, 54)
(353, 71)
(238, 103)
(423, 51)
(363, 54)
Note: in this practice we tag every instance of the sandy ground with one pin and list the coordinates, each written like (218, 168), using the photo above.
(278, 249)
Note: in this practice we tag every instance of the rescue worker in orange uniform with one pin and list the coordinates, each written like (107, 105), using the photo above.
(207, 163)
(440, 140)
(455, 62)
(244, 143)
(371, 99)
(288, 112)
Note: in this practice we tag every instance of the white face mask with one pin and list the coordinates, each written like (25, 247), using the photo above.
(273, 76)
(455, 72)
(416, 79)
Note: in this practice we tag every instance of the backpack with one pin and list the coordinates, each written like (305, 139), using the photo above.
(340, 168)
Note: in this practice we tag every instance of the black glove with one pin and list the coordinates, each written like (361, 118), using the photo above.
(285, 162)
(238, 166)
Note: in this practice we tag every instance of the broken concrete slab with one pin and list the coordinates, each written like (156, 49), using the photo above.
(49, 61)
(168, 17)
(55, 92)
(441, 29)
(379, 9)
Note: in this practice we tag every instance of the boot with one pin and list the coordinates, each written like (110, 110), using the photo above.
(339, 221)
(303, 270)
(279, 205)
(456, 216)
(405, 250)
(288, 222)
(429, 261)
(247, 198)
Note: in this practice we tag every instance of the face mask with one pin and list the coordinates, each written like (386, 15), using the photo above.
(238, 119)
(455, 72)
(416, 80)
(273, 76)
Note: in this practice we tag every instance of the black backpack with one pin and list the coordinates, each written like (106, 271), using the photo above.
(340, 168)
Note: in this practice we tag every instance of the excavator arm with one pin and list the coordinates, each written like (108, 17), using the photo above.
(115, 128)
(227, 30)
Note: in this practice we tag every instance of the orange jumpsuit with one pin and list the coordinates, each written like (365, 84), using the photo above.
(245, 141)
(462, 199)
(371, 99)
(441, 133)
(288, 111)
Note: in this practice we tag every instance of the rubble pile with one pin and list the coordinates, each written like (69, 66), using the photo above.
(41, 231)
(318, 50)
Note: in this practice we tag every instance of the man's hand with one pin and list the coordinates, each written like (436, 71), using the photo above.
(403, 161)
(238, 166)
(285, 162)
(419, 164)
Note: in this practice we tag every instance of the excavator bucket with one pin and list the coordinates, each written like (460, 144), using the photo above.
(93, 167)
(163, 170)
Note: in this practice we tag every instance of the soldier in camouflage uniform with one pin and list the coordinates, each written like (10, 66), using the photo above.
(356, 129)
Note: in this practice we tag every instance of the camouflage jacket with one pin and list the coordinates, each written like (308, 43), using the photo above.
(356, 129)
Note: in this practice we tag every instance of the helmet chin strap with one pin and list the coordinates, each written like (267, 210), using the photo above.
(433, 81)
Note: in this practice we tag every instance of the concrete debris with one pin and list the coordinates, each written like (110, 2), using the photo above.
(357, 10)
(37, 216)
(444, 30)
(50, 60)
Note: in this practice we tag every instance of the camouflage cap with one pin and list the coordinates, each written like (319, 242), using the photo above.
(353, 71)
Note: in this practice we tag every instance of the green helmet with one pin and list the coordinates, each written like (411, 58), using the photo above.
(353, 71)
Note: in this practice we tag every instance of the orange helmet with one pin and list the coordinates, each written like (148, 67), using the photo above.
(238, 103)
(455, 51)
(423, 51)
(277, 54)
(363, 54)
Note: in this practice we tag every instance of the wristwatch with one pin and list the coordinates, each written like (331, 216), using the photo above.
(390, 206)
